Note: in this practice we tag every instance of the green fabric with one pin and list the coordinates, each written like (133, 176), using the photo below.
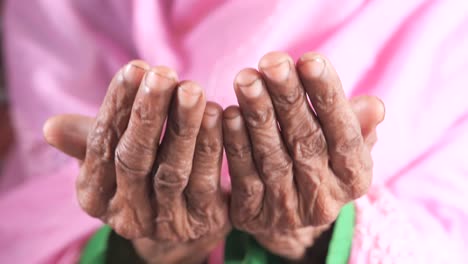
(96, 248)
(339, 249)
(242, 248)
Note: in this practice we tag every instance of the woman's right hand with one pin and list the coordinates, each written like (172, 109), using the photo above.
(156, 193)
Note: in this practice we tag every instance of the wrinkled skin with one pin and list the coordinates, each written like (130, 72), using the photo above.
(292, 167)
(164, 195)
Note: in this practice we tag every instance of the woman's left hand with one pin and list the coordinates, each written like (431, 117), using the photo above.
(293, 167)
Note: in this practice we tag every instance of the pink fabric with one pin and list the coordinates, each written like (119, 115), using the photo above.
(61, 55)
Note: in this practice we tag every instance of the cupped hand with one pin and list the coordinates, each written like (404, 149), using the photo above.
(162, 191)
(294, 164)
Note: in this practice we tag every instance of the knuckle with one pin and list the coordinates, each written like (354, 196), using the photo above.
(168, 229)
(144, 112)
(325, 212)
(207, 186)
(354, 168)
(183, 130)
(328, 214)
(290, 99)
(101, 143)
(326, 96)
(246, 202)
(126, 228)
(352, 142)
(359, 188)
(275, 165)
(198, 230)
(209, 222)
(239, 150)
(170, 178)
(208, 147)
(93, 190)
(134, 158)
(259, 118)
(274, 172)
(309, 145)
(360, 185)
(248, 189)
(90, 203)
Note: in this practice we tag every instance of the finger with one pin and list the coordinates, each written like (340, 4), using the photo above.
(350, 158)
(247, 188)
(300, 129)
(203, 189)
(299, 126)
(68, 133)
(175, 159)
(96, 182)
(136, 152)
(370, 112)
(270, 155)
(205, 200)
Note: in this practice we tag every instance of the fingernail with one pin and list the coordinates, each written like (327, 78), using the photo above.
(189, 94)
(151, 79)
(132, 72)
(210, 120)
(314, 64)
(211, 117)
(249, 85)
(234, 123)
(277, 72)
(46, 131)
(156, 80)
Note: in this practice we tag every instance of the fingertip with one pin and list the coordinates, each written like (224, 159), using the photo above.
(213, 112)
(312, 65)
(370, 111)
(231, 112)
(49, 130)
(134, 71)
(213, 108)
(46, 128)
(382, 110)
(190, 94)
(68, 133)
(232, 118)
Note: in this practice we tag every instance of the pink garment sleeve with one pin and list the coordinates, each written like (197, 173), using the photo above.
(54, 64)
(60, 57)
(417, 212)
(421, 215)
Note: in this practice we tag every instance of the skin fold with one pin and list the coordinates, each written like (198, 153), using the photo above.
(293, 164)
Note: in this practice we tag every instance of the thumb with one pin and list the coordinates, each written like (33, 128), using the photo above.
(68, 133)
(370, 112)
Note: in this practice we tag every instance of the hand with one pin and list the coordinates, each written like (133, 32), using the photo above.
(160, 194)
(293, 167)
